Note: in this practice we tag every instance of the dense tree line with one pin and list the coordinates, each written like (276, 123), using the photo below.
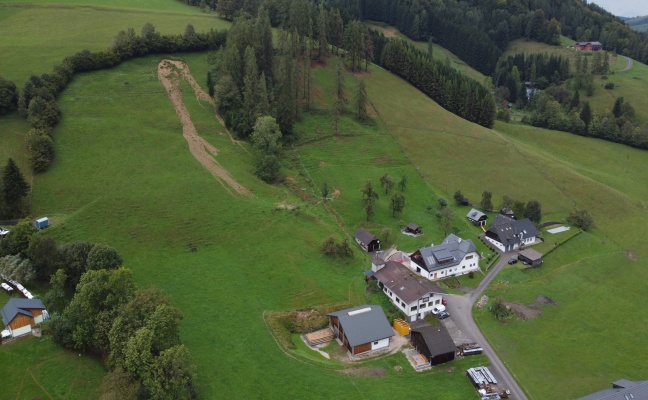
(8, 96)
(448, 87)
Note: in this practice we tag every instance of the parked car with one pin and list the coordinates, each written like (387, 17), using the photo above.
(512, 261)
(444, 301)
(443, 315)
(438, 309)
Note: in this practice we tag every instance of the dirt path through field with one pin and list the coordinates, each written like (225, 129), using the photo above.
(170, 74)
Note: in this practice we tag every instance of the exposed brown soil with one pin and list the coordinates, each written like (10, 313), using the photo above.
(335, 194)
(170, 74)
(366, 372)
(632, 256)
(527, 312)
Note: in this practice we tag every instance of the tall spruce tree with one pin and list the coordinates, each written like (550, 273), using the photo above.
(360, 101)
(13, 188)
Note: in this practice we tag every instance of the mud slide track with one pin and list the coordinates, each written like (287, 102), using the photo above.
(171, 73)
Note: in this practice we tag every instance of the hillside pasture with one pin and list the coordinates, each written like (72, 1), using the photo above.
(36, 36)
(125, 177)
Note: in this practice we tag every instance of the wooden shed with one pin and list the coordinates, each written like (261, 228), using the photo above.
(413, 229)
(20, 314)
(434, 343)
(367, 241)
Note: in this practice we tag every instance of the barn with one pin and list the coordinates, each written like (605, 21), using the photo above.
(367, 241)
(413, 229)
(20, 314)
(434, 343)
(361, 329)
(589, 46)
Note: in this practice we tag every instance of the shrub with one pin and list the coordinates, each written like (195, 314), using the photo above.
(581, 219)
(609, 85)
(471, 274)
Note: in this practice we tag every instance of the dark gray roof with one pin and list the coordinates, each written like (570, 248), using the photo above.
(408, 286)
(622, 390)
(475, 215)
(531, 254)
(447, 254)
(437, 339)
(378, 261)
(19, 306)
(364, 236)
(412, 227)
(510, 231)
(593, 43)
(365, 324)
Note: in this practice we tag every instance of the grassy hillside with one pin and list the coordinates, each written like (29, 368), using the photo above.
(36, 35)
(125, 177)
(528, 163)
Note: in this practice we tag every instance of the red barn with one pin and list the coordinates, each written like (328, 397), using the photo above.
(589, 46)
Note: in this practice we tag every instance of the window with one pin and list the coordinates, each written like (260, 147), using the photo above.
(464, 267)
(413, 308)
(418, 269)
(469, 257)
(437, 301)
(375, 343)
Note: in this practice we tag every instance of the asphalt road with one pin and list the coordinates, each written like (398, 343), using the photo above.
(460, 309)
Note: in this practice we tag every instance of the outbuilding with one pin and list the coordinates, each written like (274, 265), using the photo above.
(434, 343)
(531, 257)
(361, 329)
(41, 223)
(20, 314)
(413, 229)
(367, 241)
(477, 217)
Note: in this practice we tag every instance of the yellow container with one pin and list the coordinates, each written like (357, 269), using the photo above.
(401, 327)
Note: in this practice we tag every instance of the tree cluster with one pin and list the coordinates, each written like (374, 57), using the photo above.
(331, 247)
(531, 209)
(581, 218)
(8, 96)
(396, 201)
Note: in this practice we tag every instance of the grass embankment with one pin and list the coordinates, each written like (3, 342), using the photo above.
(124, 176)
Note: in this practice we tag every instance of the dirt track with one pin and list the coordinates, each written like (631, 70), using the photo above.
(170, 74)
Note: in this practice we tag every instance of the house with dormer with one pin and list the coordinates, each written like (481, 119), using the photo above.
(414, 295)
(508, 234)
(453, 257)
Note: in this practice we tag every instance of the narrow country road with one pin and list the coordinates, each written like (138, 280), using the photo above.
(627, 66)
(460, 308)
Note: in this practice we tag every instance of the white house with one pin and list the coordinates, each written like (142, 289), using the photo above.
(412, 294)
(508, 234)
(453, 257)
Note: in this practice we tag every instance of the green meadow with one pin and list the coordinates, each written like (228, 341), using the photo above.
(124, 176)
(37, 35)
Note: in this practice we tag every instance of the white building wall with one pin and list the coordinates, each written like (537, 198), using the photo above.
(21, 331)
(380, 344)
(496, 243)
(38, 319)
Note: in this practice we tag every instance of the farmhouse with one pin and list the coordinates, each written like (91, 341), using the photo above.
(508, 234)
(453, 257)
(412, 294)
(434, 343)
(477, 217)
(589, 46)
(531, 257)
(20, 314)
(621, 390)
(367, 241)
(361, 329)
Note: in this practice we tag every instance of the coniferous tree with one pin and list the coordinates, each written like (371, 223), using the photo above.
(250, 92)
(322, 34)
(360, 101)
(13, 188)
